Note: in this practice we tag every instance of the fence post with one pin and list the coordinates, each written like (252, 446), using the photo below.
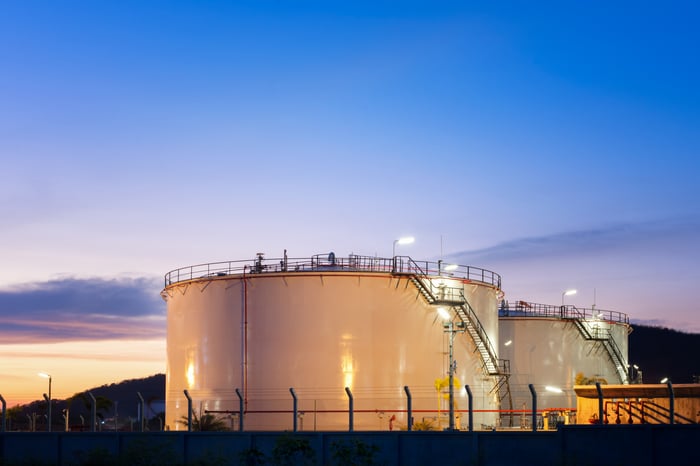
(600, 402)
(4, 413)
(534, 407)
(409, 424)
(48, 419)
(294, 404)
(240, 410)
(189, 410)
(471, 406)
(93, 412)
(142, 403)
(671, 403)
(351, 409)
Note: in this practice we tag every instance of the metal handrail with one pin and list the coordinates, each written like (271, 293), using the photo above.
(452, 296)
(328, 262)
(615, 351)
(406, 265)
(481, 332)
(527, 309)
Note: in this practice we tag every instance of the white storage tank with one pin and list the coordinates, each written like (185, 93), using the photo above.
(549, 346)
(246, 332)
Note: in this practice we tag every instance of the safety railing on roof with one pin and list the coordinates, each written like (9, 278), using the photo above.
(527, 309)
(329, 262)
(406, 265)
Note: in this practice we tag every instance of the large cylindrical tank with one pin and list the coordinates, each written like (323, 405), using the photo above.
(551, 346)
(262, 327)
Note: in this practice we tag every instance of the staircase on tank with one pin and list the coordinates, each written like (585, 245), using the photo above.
(453, 297)
(605, 337)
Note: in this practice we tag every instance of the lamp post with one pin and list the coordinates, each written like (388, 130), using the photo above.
(567, 293)
(404, 240)
(449, 327)
(48, 398)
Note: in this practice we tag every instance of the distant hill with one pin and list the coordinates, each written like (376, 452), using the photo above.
(122, 401)
(663, 352)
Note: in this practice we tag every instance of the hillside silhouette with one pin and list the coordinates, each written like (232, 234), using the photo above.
(114, 401)
(663, 352)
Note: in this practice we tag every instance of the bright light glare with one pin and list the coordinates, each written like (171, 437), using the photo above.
(443, 313)
(664, 380)
(553, 389)
(406, 240)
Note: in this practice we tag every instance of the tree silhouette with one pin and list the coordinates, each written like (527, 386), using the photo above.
(102, 403)
(207, 422)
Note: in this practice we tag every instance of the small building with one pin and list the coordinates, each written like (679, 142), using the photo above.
(639, 404)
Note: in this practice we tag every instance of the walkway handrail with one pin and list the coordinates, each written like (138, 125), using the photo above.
(527, 309)
(328, 262)
(479, 328)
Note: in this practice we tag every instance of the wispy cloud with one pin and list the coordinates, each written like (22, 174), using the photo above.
(646, 270)
(576, 243)
(82, 309)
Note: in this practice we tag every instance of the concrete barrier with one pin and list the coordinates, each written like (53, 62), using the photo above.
(571, 445)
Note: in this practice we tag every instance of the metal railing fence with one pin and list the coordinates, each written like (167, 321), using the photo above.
(528, 309)
(329, 262)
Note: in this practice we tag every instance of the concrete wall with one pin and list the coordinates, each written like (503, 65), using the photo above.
(572, 445)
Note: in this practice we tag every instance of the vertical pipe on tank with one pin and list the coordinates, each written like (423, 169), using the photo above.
(600, 402)
(451, 377)
(189, 410)
(240, 410)
(671, 403)
(244, 341)
(294, 407)
(534, 407)
(409, 405)
(471, 408)
(351, 410)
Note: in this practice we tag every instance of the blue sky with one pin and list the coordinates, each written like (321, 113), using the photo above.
(555, 143)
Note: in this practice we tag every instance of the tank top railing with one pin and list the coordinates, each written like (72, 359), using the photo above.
(406, 265)
(331, 263)
(527, 309)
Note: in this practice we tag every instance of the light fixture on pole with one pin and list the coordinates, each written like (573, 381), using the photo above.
(449, 326)
(48, 398)
(567, 293)
(404, 240)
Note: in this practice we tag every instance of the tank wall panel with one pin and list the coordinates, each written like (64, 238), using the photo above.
(551, 352)
(317, 333)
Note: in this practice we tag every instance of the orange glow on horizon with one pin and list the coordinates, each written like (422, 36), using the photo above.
(75, 366)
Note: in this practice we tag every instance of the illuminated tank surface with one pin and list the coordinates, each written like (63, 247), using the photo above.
(243, 333)
(549, 346)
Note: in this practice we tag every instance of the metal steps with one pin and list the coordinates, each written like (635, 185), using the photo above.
(453, 297)
(605, 337)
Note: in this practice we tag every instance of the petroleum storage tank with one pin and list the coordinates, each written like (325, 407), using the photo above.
(549, 346)
(257, 334)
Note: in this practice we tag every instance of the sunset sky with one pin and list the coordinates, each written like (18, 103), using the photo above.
(557, 145)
